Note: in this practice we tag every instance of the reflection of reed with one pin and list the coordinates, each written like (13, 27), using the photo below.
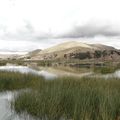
(68, 71)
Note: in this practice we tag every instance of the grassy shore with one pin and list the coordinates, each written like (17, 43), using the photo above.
(16, 80)
(64, 98)
(71, 98)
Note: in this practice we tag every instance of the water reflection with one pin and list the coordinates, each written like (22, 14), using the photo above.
(25, 69)
(115, 74)
(61, 71)
(49, 72)
(5, 107)
(6, 113)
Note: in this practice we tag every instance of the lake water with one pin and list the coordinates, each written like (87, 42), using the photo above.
(25, 69)
(48, 73)
(5, 109)
(60, 71)
(6, 113)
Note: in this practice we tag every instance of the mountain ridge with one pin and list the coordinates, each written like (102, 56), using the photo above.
(70, 51)
(77, 50)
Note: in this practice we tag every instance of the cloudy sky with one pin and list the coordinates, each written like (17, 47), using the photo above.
(26, 25)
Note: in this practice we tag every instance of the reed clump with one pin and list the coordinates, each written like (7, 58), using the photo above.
(72, 99)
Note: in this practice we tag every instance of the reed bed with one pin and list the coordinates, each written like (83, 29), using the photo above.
(16, 80)
(72, 99)
(64, 98)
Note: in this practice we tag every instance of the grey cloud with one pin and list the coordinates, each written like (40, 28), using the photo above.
(92, 30)
(28, 26)
(24, 33)
(28, 33)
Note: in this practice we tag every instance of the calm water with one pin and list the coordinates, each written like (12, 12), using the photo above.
(6, 113)
(5, 109)
(53, 72)
(48, 73)
(24, 69)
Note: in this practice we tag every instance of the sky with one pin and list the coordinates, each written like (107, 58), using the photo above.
(26, 25)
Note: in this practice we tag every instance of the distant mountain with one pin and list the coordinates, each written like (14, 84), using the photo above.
(35, 52)
(70, 51)
(76, 50)
(8, 56)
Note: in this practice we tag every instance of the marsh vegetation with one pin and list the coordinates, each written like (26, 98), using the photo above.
(64, 98)
(71, 98)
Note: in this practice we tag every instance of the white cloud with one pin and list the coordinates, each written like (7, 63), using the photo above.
(30, 24)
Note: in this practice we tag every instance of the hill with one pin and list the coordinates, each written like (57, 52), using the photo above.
(76, 50)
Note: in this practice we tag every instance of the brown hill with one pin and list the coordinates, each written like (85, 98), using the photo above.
(77, 50)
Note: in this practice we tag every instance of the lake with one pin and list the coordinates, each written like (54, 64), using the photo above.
(48, 73)
(61, 71)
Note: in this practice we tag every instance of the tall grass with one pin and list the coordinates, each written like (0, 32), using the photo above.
(64, 98)
(16, 80)
(2, 63)
(106, 69)
(72, 98)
